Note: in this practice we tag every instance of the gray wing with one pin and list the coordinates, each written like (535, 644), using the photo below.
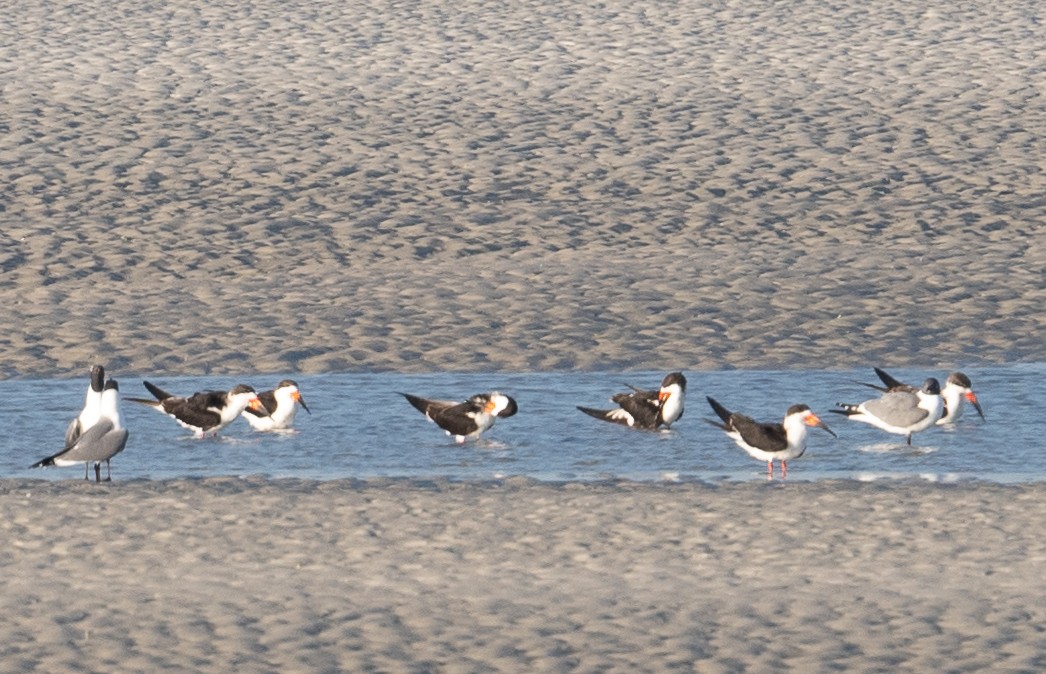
(897, 409)
(98, 443)
(114, 442)
(73, 432)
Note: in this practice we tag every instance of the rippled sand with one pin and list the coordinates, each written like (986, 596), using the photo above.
(224, 574)
(314, 186)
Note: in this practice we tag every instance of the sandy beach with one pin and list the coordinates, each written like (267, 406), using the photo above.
(273, 576)
(311, 187)
(198, 188)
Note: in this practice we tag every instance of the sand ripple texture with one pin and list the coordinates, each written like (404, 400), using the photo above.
(326, 186)
(227, 575)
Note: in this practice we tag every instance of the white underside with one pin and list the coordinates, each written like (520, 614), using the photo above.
(954, 400)
(66, 462)
(872, 420)
(796, 447)
(282, 418)
(672, 408)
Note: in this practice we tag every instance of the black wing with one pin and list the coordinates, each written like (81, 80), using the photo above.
(428, 407)
(194, 409)
(618, 416)
(158, 392)
(644, 407)
(453, 417)
(268, 400)
(720, 411)
(767, 437)
(892, 384)
(457, 419)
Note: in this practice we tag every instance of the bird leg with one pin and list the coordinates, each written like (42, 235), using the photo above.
(98, 471)
(784, 470)
(769, 470)
(108, 471)
(87, 470)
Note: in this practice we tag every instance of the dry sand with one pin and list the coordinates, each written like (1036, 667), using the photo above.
(224, 575)
(197, 187)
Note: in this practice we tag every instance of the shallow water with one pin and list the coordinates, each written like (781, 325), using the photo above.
(360, 427)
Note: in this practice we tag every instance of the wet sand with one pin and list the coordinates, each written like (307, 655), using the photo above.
(315, 187)
(221, 574)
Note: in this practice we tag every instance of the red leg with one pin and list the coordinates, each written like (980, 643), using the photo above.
(784, 470)
(769, 470)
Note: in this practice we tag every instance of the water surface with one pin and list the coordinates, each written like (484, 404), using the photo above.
(360, 427)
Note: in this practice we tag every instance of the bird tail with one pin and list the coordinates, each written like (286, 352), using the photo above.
(846, 409)
(49, 461)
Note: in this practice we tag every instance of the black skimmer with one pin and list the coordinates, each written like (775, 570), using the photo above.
(204, 412)
(92, 407)
(900, 412)
(769, 441)
(465, 419)
(278, 407)
(956, 392)
(103, 440)
(648, 410)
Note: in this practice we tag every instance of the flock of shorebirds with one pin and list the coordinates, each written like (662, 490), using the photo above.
(97, 433)
(900, 409)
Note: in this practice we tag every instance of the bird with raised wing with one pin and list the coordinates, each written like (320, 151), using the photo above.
(468, 419)
(646, 409)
